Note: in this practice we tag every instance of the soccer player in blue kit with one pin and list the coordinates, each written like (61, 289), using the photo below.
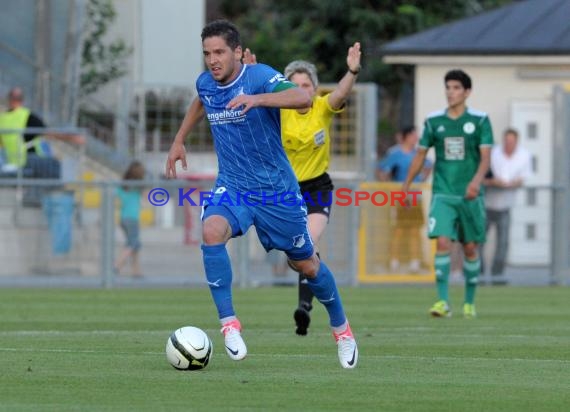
(256, 185)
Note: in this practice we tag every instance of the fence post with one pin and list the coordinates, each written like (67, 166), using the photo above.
(560, 223)
(107, 234)
(353, 231)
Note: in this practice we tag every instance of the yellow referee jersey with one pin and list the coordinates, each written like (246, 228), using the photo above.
(306, 138)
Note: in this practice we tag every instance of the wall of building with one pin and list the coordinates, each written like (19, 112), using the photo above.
(494, 90)
(165, 37)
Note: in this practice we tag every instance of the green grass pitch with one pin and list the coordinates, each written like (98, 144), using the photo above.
(103, 350)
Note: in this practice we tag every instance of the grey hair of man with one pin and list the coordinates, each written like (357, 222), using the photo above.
(302, 66)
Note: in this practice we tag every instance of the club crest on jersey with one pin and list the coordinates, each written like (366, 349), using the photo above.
(298, 241)
(468, 127)
(431, 224)
(240, 91)
(441, 128)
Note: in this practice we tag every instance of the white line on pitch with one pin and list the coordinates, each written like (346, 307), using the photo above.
(277, 355)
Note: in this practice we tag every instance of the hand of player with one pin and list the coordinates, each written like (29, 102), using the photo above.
(472, 190)
(249, 57)
(177, 152)
(353, 57)
(516, 183)
(243, 101)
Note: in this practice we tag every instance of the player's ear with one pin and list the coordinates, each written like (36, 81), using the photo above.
(238, 53)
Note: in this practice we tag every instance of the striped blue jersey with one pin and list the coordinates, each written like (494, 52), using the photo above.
(250, 154)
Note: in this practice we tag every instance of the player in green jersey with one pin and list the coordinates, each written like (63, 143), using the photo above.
(462, 139)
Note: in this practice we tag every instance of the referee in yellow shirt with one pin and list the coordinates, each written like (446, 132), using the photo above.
(306, 138)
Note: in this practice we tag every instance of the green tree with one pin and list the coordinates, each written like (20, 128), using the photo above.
(101, 61)
(321, 32)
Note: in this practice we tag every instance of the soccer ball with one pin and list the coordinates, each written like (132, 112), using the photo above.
(189, 348)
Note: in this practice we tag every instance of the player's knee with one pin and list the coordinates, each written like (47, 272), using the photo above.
(470, 251)
(308, 267)
(215, 230)
(443, 244)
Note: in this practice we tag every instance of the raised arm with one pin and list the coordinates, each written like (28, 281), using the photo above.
(339, 95)
(177, 151)
(293, 98)
(248, 57)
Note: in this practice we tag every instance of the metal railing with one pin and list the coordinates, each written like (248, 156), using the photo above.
(171, 238)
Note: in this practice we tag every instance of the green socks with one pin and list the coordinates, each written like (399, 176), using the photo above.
(471, 269)
(442, 268)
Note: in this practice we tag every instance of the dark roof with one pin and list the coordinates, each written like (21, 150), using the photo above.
(522, 28)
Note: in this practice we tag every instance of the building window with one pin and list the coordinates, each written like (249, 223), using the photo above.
(532, 130)
(531, 197)
(534, 163)
(530, 231)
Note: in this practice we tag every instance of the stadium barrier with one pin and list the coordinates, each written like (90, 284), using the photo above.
(73, 237)
(393, 246)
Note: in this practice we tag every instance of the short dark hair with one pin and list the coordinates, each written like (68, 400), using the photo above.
(225, 29)
(460, 76)
(135, 171)
(405, 131)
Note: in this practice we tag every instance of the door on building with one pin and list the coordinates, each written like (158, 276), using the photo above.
(530, 234)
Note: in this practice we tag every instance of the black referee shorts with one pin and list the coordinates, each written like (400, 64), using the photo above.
(318, 194)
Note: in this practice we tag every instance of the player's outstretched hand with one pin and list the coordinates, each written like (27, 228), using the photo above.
(177, 152)
(353, 57)
(249, 57)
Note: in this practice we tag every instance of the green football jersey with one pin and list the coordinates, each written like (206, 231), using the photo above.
(456, 143)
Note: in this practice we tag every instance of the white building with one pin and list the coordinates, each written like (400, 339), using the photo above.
(516, 56)
(165, 37)
(165, 62)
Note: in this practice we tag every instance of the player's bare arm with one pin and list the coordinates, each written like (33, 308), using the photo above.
(339, 95)
(293, 98)
(426, 171)
(177, 151)
(415, 168)
(474, 186)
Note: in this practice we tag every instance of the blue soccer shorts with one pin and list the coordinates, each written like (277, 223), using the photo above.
(280, 222)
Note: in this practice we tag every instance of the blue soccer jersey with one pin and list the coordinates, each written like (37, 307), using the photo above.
(250, 154)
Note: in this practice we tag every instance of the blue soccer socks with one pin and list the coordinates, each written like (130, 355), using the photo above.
(218, 269)
(325, 290)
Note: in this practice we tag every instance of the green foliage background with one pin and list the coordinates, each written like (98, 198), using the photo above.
(321, 32)
(102, 60)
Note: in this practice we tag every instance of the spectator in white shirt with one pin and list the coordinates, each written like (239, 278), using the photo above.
(510, 166)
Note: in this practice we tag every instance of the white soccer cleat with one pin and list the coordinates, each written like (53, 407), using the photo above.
(347, 349)
(233, 342)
